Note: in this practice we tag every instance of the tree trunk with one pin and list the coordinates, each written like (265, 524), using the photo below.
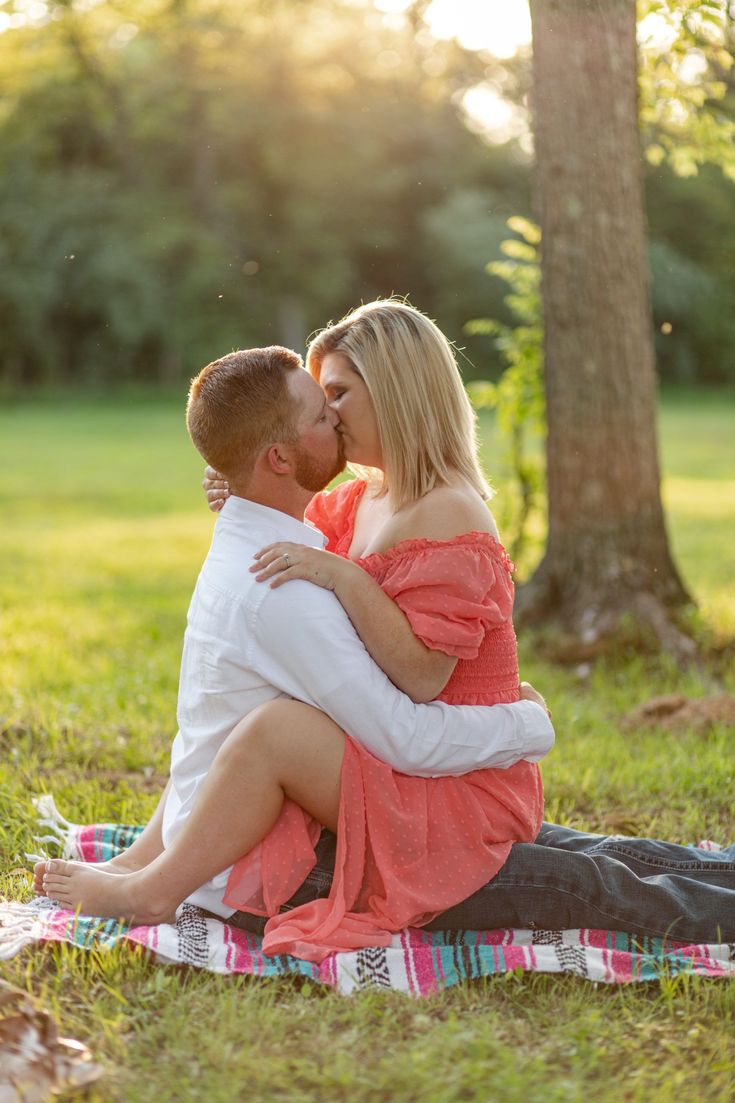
(607, 552)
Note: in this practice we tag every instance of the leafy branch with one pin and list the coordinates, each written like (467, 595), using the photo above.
(686, 71)
(518, 396)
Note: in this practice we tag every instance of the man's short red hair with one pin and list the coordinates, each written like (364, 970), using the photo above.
(241, 403)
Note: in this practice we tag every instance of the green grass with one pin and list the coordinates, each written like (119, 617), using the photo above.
(103, 531)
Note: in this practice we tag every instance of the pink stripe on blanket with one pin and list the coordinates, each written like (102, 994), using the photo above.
(87, 842)
(421, 967)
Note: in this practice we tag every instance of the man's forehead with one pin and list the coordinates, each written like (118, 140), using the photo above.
(306, 389)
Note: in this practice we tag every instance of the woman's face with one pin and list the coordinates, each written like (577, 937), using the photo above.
(348, 396)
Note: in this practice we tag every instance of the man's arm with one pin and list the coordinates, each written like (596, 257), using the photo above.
(379, 621)
(305, 645)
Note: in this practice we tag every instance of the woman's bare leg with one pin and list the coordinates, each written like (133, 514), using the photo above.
(146, 847)
(283, 749)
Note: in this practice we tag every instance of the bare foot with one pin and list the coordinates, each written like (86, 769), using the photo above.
(85, 887)
(121, 863)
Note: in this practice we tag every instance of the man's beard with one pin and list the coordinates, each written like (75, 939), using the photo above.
(313, 474)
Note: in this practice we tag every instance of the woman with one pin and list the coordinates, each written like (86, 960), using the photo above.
(412, 530)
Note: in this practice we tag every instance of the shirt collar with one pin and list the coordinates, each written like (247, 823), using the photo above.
(253, 513)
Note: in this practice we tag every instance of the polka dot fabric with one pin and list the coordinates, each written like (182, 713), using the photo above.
(407, 847)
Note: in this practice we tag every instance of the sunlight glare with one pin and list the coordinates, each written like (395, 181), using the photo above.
(692, 67)
(499, 26)
(488, 113)
(656, 30)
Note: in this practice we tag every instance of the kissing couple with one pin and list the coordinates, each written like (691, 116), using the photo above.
(356, 753)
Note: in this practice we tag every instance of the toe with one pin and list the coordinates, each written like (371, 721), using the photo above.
(54, 886)
(61, 900)
(57, 897)
(57, 866)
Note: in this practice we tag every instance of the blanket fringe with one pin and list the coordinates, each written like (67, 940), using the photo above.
(49, 815)
(61, 830)
(19, 927)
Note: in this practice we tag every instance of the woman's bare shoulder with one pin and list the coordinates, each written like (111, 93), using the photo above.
(446, 512)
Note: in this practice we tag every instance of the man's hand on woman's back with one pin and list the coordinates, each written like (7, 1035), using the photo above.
(528, 693)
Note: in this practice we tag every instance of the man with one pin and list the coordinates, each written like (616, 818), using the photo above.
(246, 644)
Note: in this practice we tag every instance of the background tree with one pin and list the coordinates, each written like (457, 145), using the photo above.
(607, 552)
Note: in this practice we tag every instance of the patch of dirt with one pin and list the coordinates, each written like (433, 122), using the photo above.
(13, 733)
(679, 714)
(620, 821)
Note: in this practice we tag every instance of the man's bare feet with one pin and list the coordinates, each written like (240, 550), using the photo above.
(85, 887)
(121, 863)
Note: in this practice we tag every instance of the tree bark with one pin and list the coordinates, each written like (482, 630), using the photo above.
(607, 552)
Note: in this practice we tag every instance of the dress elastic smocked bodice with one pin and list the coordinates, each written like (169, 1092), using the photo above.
(457, 595)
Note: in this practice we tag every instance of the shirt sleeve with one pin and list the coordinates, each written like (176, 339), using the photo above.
(452, 596)
(304, 644)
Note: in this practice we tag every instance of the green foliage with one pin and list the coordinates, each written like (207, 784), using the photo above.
(163, 198)
(210, 201)
(686, 62)
(462, 232)
(518, 396)
(692, 274)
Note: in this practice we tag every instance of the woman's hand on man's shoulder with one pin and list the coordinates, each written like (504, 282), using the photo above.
(216, 489)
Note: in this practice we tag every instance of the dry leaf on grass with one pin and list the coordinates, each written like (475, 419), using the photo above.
(34, 1062)
(678, 714)
(620, 821)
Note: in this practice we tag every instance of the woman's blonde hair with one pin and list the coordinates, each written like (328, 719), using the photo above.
(426, 425)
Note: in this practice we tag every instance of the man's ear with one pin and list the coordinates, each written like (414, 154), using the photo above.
(278, 459)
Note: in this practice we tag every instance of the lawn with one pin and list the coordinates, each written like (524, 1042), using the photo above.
(104, 527)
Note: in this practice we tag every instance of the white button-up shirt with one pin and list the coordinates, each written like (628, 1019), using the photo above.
(246, 644)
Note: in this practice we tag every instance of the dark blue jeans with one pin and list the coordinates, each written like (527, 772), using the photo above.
(567, 879)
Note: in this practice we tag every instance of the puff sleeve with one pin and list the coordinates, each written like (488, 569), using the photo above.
(453, 593)
(333, 513)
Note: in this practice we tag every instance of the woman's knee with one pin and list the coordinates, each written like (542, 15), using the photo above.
(264, 729)
(248, 737)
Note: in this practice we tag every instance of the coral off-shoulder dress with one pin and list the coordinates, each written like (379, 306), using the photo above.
(408, 848)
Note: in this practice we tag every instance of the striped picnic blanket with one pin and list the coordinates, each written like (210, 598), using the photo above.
(417, 962)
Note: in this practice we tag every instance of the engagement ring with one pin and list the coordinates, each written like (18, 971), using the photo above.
(288, 561)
